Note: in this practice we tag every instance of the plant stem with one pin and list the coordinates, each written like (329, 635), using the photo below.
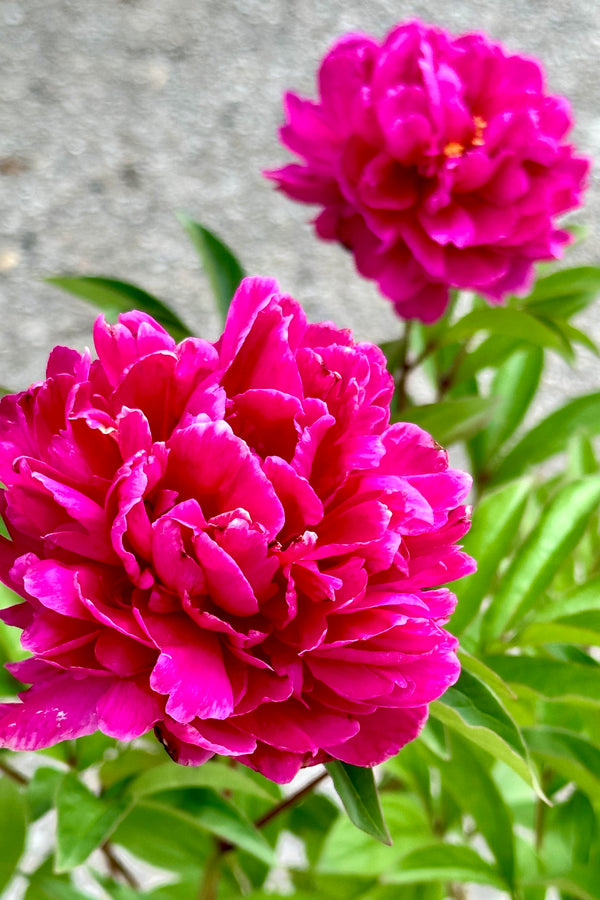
(210, 878)
(404, 367)
(290, 801)
(116, 867)
(540, 811)
(447, 379)
(209, 885)
(12, 773)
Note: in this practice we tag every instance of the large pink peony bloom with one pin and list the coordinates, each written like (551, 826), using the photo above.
(439, 162)
(227, 542)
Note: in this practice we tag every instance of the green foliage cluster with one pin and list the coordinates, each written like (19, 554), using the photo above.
(503, 787)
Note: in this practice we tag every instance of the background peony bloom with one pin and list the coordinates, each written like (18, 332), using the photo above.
(227, 542)
(438, 161)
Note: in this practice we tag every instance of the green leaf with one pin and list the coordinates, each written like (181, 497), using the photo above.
(575, 757)
(215, 775)
(572, 335)
(451, 420)
(222, 269)
(581, 629)
(356, 789)
(550, 436)
(160, 835)
(507, 322)
(472, 710)
(570, 833)
(495, 523)
(217, 816)
(349, 851)
(581, 456)
(558, 531)
(50, 888)
(490, 353)
(552, 678)
(41, 790)
(394, 353)
(580, 883)
(515, 384)
(445, 862)
(132, 761)
(12, 829)
(311, 821)
(84, 822)
(564, 293)
(10, 645)
(476, 792)
(490, 678)
(581, 599)
(89, 750)
(113, 296)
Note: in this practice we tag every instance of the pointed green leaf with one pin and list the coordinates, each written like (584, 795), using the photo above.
(217, 816)
(562, 294)
(507, 322)
(41, 790)
(515, 384)
(582, 628)
(113, 297)
(222, 269)
(215, 775)
(473, 710)
(495, 523)
(356, 789)
(131, 761)
(451, 420)
(560, 528)
(575, 757)
(84, 822)
(477, 794)
(491, 679)
(550, 436)
(570, 834)
(445, 862)
(12, 829)
(552, 678)
(581, 883)
(160, 835)
(572, 335)
(490, 353)
(582, 599)
(349, 851)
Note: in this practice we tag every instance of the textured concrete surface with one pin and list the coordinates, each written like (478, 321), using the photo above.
(113, 115)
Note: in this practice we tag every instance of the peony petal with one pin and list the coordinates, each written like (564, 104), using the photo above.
(58, 709)
(189, 670)
(382, 734)
(127, 710)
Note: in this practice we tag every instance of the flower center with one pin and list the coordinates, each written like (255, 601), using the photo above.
(453, 149)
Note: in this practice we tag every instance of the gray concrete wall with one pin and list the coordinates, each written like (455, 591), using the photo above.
(114, 114)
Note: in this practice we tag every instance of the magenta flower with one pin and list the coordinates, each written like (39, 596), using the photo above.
(227, 542)
(439, 162)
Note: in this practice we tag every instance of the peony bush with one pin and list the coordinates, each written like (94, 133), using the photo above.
(242, 548)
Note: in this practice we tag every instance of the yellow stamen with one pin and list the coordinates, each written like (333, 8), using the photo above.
(453, 150)
(480, 126)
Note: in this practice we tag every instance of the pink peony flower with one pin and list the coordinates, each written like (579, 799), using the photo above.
(439, 162)
(227, 542)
